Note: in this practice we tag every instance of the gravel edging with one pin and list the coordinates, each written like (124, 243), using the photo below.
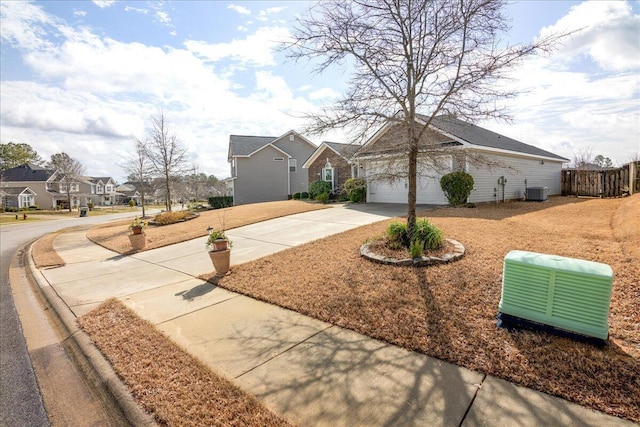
(91, 356)
(458, 253)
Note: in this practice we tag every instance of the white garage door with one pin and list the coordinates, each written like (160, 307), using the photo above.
(429, 192)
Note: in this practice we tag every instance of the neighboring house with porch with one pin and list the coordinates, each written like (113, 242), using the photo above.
(50, 191)
(508, 167)
(17, 197)
(265, 168)
(41, 181)
(331, 162)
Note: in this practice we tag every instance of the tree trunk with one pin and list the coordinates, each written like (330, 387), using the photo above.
(412, 193)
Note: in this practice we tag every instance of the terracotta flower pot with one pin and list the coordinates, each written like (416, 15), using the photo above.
(138, 241)
(136, 230)
(221, 261)
(220, 245)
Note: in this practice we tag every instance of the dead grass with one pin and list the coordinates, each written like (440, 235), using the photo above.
(176, 388)
(449, 311)
(43, 254)
(114, 235)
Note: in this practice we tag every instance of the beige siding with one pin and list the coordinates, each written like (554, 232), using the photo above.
(42, 198)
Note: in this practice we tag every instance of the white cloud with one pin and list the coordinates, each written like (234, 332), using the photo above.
(256, 49)
(136, 9)
(96, 92)
(323, 93)
(79, 13)
(104, 3)
(239, 9)
(586, 94)
(163, 17)
(607, 32)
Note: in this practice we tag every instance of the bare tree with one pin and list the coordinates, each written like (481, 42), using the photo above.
(70, 171)
(139, 168)
(166, 153)
(411, 57)
(582, 158)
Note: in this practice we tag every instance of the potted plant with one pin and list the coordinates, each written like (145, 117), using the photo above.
(219, 250)
(137, 237)
(137, 225)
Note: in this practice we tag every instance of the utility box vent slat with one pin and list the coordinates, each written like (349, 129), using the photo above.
(565, 293)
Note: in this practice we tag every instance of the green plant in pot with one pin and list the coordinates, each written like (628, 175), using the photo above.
(218, 241)
(219, 250)
(137, 225)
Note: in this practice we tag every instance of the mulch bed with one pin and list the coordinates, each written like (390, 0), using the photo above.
(449, 311)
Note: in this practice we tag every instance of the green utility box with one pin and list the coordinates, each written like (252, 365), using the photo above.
(566, 293)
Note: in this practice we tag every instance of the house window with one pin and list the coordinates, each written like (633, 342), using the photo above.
(63, 188)
(93, 189)
(278, 159)
(109, 188)
(26, 201)
(354, 171)
(75, 186)
(327, 174)
(292, 165)
(100, 189)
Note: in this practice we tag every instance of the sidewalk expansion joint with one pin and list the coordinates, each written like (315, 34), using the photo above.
(478, 387)
(283, 352)
(199, 309)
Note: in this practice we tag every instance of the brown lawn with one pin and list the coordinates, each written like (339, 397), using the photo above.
(115, 235)
(173, 386)
(449, 311)
(446, 311)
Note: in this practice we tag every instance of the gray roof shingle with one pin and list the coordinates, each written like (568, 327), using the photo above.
(345, 150)
(477, 135)
(27, 172)
(243, 145)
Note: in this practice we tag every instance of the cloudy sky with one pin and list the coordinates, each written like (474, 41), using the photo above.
(84, 77)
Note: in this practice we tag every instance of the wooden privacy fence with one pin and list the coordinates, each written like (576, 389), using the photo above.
(602, 183)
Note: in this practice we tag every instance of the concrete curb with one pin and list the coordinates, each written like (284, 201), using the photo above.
(109, 380)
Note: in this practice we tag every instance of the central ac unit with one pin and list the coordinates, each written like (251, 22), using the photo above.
(537, 194)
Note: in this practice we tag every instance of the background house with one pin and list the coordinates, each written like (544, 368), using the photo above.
(49, 191)
(509, 167)
(41, 181)
(16, 197)
(267, 168)
(331, 162)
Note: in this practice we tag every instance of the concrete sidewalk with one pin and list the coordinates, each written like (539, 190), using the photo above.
(309, 371)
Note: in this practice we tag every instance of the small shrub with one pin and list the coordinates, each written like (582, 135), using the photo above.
(166, 218)
(304, 195)
(296, 196)
(397, 234)
(416, 248)
(220, 202)
(356, 189)
(318, 187)
(428, 234)
(131, 203)
(457, 187)
(323, 197)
